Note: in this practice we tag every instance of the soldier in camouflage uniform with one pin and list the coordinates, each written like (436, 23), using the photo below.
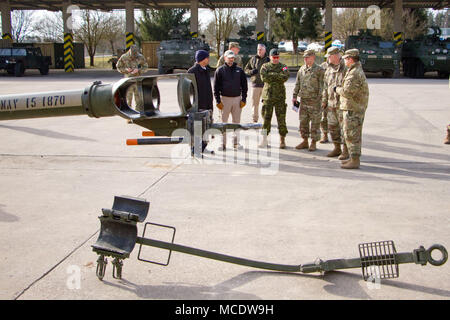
(308, 87)
(233, 46)
(354, 98)
(133, 64)
(274, 74)
(333, 77)
(324, 121)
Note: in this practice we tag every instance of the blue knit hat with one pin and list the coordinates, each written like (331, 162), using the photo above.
(201, 55)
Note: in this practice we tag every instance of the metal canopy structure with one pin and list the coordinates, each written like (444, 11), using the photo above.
(54, 5)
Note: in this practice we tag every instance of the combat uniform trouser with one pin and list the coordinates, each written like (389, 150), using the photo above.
(352, 127)
(335, 118)
(133, 92)
(280, 112)
(324, 122)
(310, 114)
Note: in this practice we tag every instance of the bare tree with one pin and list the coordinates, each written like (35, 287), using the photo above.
(21, 24)
(347, 22)
(225, 21)
(50, 27)
(91, 30)
(114, 31)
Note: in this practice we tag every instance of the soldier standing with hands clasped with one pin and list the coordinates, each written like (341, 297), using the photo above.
(308, 87)
(354, 97)
(274, 74)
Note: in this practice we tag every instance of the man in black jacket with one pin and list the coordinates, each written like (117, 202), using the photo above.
(203, 79)
(230, 91)
(252, 70)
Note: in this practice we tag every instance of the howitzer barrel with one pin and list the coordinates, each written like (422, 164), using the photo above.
(95, 101)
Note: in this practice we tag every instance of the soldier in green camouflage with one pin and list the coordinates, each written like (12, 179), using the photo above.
(333, 77)
(354, 98)
(324, 122)
(274, 74)
(233, 46)
(133, 64)
(308, 87)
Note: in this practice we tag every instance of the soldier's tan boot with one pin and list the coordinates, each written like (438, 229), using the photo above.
(264, 143)
(336, 151)
(344, 155)
(282, 142)
(353, 163)
(312, 146)
(447, 140)
(324, 138)
(303, 145)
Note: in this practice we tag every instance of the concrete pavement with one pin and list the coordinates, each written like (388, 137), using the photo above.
(57, 174)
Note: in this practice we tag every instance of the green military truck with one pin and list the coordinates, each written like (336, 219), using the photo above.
(178, 54)
(376, 55)
(249, 46)
(16, 60)
(426, 53)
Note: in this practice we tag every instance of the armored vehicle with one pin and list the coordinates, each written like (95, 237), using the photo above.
(178, 54)
(426, 53)
(376, 55)
(17, 60)
(248, 47)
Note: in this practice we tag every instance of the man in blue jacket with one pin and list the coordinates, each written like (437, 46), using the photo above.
(230, 91)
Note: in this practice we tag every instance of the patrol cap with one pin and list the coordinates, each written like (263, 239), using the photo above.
(229, 54)
(352, 53)
(233, 45)
(274, 52)
(309, 53)
(331, 51)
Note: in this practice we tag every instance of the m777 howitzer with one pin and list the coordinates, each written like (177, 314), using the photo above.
(119, 235)
(104, 100)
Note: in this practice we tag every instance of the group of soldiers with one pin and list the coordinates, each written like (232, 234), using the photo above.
(336, 91)
(333, 95)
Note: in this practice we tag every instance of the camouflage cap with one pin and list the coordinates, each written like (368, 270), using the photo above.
(352, 53)
(331, 51)
(233, 45)
(309, 53)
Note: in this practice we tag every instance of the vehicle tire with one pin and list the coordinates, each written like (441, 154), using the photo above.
(44, 70)
(442, 74)
(420, 70)
(10, 70)
(406, 67)
(387, 74)
(19, 69)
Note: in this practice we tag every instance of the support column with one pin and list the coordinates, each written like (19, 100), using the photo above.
(68, 37)
(328, 23)
(194, 19)
(398, 28)
(6, 20)
(260, 17)
(129, 28)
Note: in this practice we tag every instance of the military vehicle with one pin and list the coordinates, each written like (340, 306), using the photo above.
(248, 47)
(426, 53)
(16, 60)
(179, 52)
(376, 55)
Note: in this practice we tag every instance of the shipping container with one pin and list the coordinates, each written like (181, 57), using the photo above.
(149, 49)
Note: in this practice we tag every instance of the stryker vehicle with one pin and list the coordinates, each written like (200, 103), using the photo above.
(375, 54)
(178, 54)
(426, 53)
(248, 47)
(16, 60)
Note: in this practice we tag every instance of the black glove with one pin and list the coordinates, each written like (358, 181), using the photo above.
(254, 71)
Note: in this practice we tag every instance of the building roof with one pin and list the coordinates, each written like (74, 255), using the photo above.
(54, 5)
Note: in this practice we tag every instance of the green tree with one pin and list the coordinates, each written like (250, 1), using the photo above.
(288, 25)
(156, 25)
(311, 23)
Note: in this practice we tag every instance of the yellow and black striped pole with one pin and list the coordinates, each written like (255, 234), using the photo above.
(129, 40)
(194, 34)
(68, 52)
(398, 38)
(7, 36)
(328, 39)
(260, 36)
